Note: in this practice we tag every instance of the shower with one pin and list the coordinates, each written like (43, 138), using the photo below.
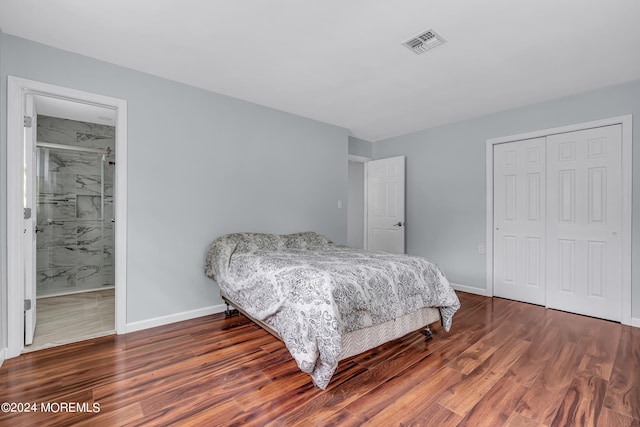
(74, 180)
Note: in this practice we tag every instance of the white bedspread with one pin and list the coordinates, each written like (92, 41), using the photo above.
(312, 291)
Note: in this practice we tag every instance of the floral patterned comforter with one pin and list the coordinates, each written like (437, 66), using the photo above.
(312, 291)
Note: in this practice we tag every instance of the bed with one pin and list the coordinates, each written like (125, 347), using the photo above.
(327, 302)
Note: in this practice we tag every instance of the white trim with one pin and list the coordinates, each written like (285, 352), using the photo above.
(17, 88)
(470, 289)
(562, 129)
(627, 195)
(3, 355)
(489, 219)
(358, 159)
(120, 214)
(635, 322)
(627, 216)
(15, 276)
(173, 318)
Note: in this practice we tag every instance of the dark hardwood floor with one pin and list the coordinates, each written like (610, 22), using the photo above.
(503, 363)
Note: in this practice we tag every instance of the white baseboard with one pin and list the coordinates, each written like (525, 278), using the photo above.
(173, 318)
(635, 321)
(470, 289)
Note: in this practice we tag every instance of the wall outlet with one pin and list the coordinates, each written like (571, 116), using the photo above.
(339, 204)
(481, 249)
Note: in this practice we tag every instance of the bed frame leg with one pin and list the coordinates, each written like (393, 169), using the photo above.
(230, 311)
(427, 333)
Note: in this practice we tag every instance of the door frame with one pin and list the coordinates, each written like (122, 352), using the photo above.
(627, 164)
(29, 237)
(17, 88)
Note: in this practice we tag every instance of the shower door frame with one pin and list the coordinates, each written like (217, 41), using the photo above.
(102, 152)
(17, 89)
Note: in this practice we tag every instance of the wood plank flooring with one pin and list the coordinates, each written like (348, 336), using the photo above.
(503, 363)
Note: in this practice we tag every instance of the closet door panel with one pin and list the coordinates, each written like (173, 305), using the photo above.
(584, 213)
(519, 220)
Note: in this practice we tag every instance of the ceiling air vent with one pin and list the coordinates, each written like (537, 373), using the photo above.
(424, 41)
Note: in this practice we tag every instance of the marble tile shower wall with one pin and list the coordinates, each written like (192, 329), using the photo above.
(76, 245)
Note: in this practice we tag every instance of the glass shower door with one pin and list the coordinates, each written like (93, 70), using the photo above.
(74, 231)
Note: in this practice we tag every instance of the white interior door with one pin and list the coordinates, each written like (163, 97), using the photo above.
(585, 222)
(385, 204)
(30, 221)
(519, 220)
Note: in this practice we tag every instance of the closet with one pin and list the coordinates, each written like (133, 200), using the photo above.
(558, 221)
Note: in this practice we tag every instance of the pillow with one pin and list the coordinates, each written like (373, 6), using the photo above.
(305, 240)
(222, 248)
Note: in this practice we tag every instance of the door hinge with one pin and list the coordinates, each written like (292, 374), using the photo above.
(27, 213)
(28, 121)
(27, 304)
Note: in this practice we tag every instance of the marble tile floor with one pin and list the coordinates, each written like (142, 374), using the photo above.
(76, 317)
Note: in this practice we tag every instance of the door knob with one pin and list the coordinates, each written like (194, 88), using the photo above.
(399, 224)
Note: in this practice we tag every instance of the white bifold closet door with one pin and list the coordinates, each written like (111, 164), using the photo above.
(584, 245)
(558, 219)
(519, 220)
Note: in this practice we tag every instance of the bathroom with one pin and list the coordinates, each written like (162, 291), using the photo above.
(75, 165)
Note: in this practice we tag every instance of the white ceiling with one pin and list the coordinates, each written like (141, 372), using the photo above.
(342, 61)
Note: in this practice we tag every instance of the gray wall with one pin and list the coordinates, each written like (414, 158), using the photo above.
(355, 206)
(200, 165)
(446, 177)
(360, 147)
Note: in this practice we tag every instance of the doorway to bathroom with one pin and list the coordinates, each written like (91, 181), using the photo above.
(74, 174)
(66, 215)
